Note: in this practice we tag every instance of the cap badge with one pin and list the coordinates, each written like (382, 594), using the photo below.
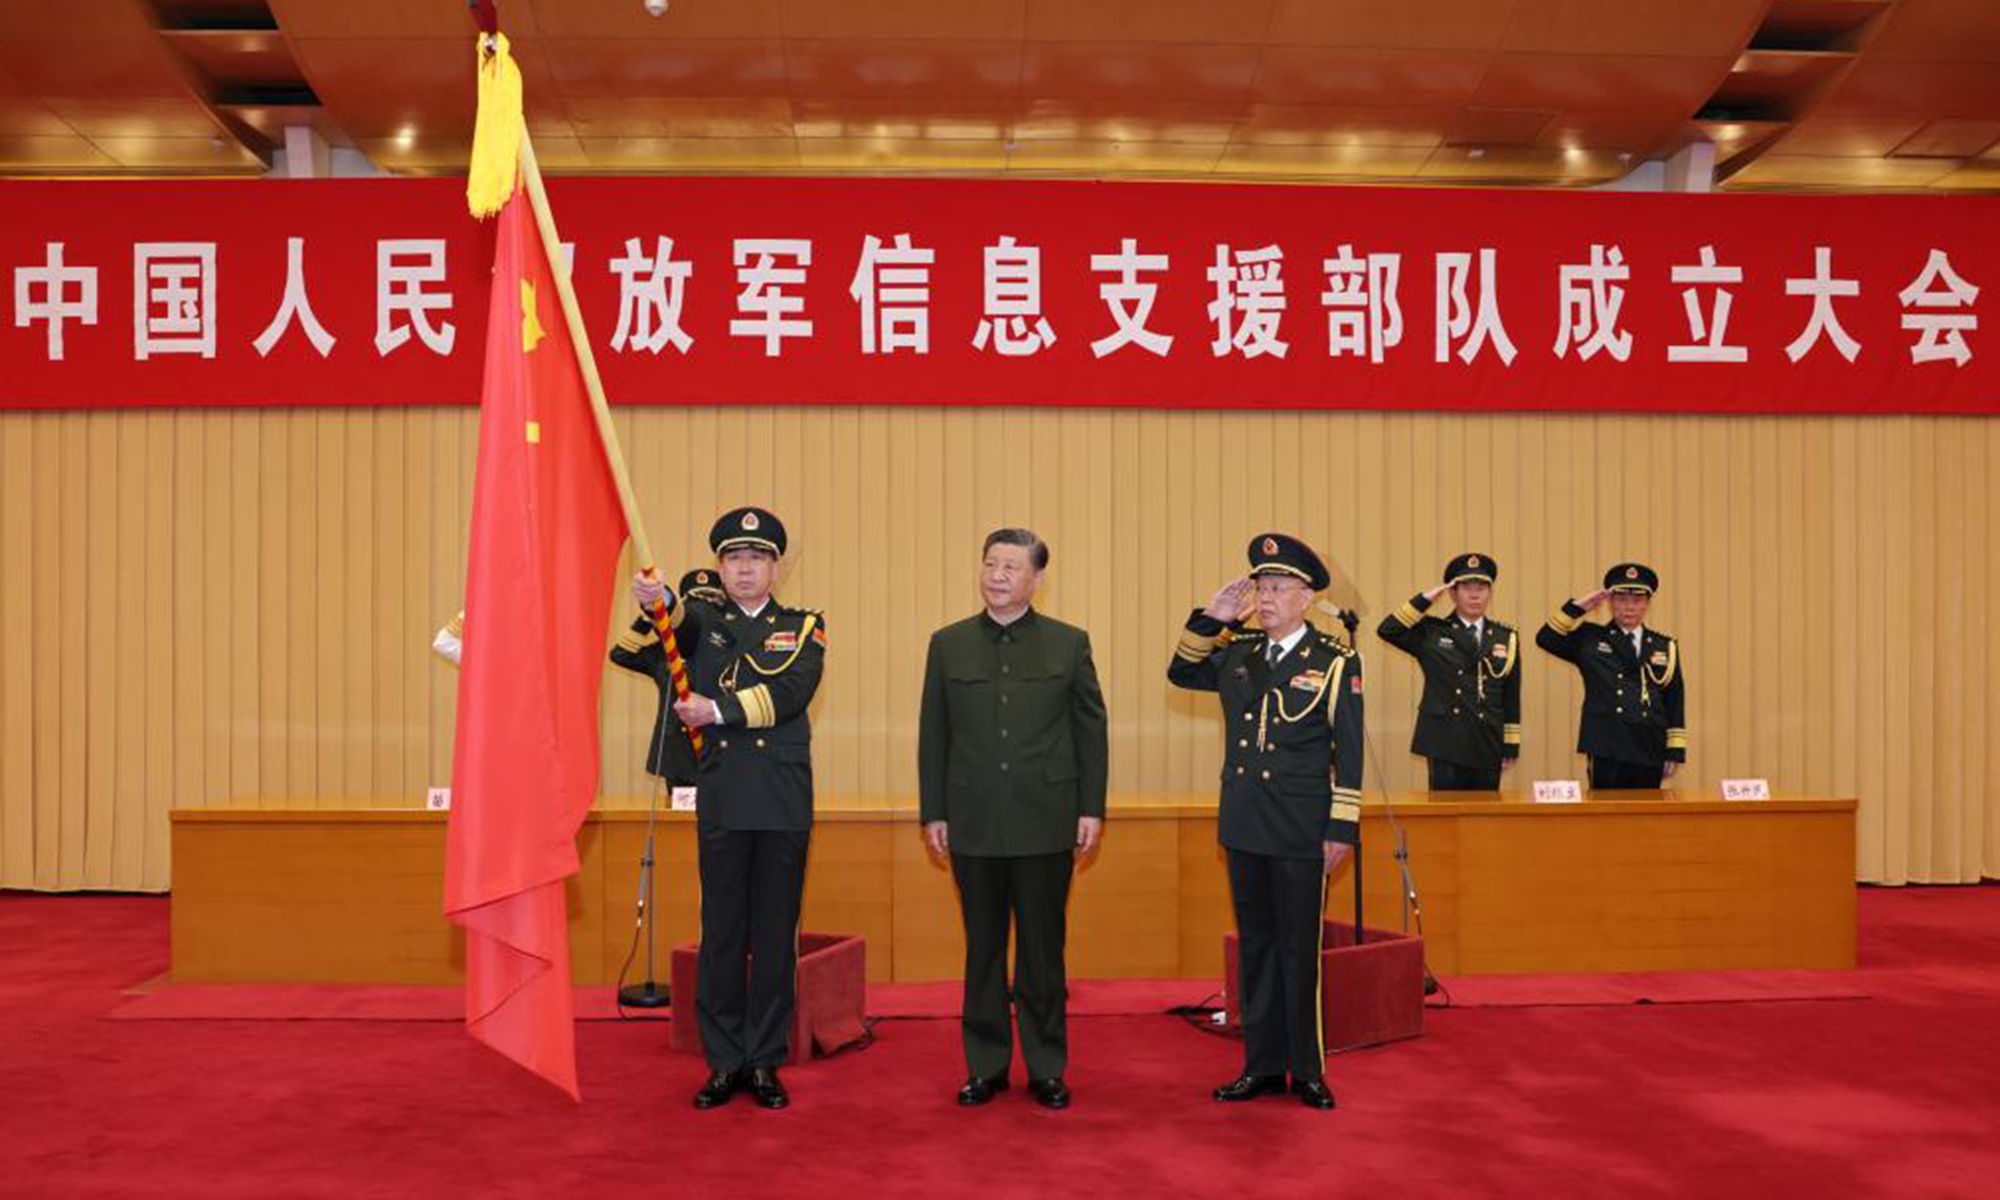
(1472, 560)
(1270, 545)
(1631, 572)
(750, 521)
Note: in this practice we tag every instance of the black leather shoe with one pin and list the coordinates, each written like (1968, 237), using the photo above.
(1249, 1087)
(717, 1091)
(978, 1091)
(765, 1088)
(1313, 1093)
(1049, 1093)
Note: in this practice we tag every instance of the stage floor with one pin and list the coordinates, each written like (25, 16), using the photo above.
(1888, 1092)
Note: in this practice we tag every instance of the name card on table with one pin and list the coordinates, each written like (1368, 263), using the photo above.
(683, 799)
(438, 800)
(1558, 791)
(1746, 789)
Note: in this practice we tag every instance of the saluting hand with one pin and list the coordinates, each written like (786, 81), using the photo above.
(1591, 601)
(1229, 601)
(1439, 590)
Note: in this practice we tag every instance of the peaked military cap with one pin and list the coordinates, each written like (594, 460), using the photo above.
(1632, 577)
(747, 528)
(1279, 554)
(1471, 568)
(703, 585)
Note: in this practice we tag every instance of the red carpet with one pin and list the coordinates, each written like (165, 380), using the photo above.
(1890, 1095)
(164, 1001)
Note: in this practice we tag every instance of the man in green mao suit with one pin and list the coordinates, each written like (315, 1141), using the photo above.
(1011, 760)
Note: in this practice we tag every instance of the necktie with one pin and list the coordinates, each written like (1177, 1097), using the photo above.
(1272, 653)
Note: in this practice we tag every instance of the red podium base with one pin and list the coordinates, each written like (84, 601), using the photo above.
(1371, 993)
(831, 1012)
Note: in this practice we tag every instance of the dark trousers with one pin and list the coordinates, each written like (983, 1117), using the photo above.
(1616, 773)
(1032, 890)
(751, 881)
(1278, 903)
(1452, 777)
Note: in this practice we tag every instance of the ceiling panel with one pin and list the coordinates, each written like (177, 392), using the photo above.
(1939, 31)
(1850, 137)
(1238, 22)
(685, 20)
(954, 69)
(1319, 125)
(680, 116)
(1609, 83)
(718, 68)
(1138, 74)
(1400, 25)
(1951, 138)
(1323, 162)
(902, 154)
(1839, 93)
(851, 20)
(1688, 28)
(1307, 75)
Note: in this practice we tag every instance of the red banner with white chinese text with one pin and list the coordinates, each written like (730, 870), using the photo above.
(946, 292)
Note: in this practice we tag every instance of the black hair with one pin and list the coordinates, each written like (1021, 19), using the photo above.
(1038, 550)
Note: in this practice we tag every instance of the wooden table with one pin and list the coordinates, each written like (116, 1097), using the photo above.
(1625, 881)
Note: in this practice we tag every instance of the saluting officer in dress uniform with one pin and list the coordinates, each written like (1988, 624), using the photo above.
(670, 755)
(1634, 689)
(1291, 798)
(1469, 720)
(1011, 760)
(753, 666)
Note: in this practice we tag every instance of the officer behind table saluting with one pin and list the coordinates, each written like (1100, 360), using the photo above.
(1634, 724)
(1469, 720)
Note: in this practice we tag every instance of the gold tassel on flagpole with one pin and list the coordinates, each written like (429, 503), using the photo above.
(497, 132)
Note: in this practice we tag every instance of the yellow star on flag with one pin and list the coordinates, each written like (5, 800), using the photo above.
(531, 326)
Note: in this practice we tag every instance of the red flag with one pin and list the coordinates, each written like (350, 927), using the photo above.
(546, 533)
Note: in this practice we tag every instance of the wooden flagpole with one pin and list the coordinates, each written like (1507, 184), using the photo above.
(642, 549)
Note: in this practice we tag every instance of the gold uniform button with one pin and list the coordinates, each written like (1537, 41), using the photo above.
(1242, 741)
(725, 745)
(1239, 770)
(1267, 774)
(760, 743)
(1246, 716)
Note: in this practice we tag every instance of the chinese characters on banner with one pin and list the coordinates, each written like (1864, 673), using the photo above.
(857, 291)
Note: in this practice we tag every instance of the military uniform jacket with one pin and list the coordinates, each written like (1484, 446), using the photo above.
(1012, 744)
(762, 671)
(1634, 704)
(1292, 736)
(1471, 711)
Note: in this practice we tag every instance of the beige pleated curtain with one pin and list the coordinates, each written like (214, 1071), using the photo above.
(208, 608)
